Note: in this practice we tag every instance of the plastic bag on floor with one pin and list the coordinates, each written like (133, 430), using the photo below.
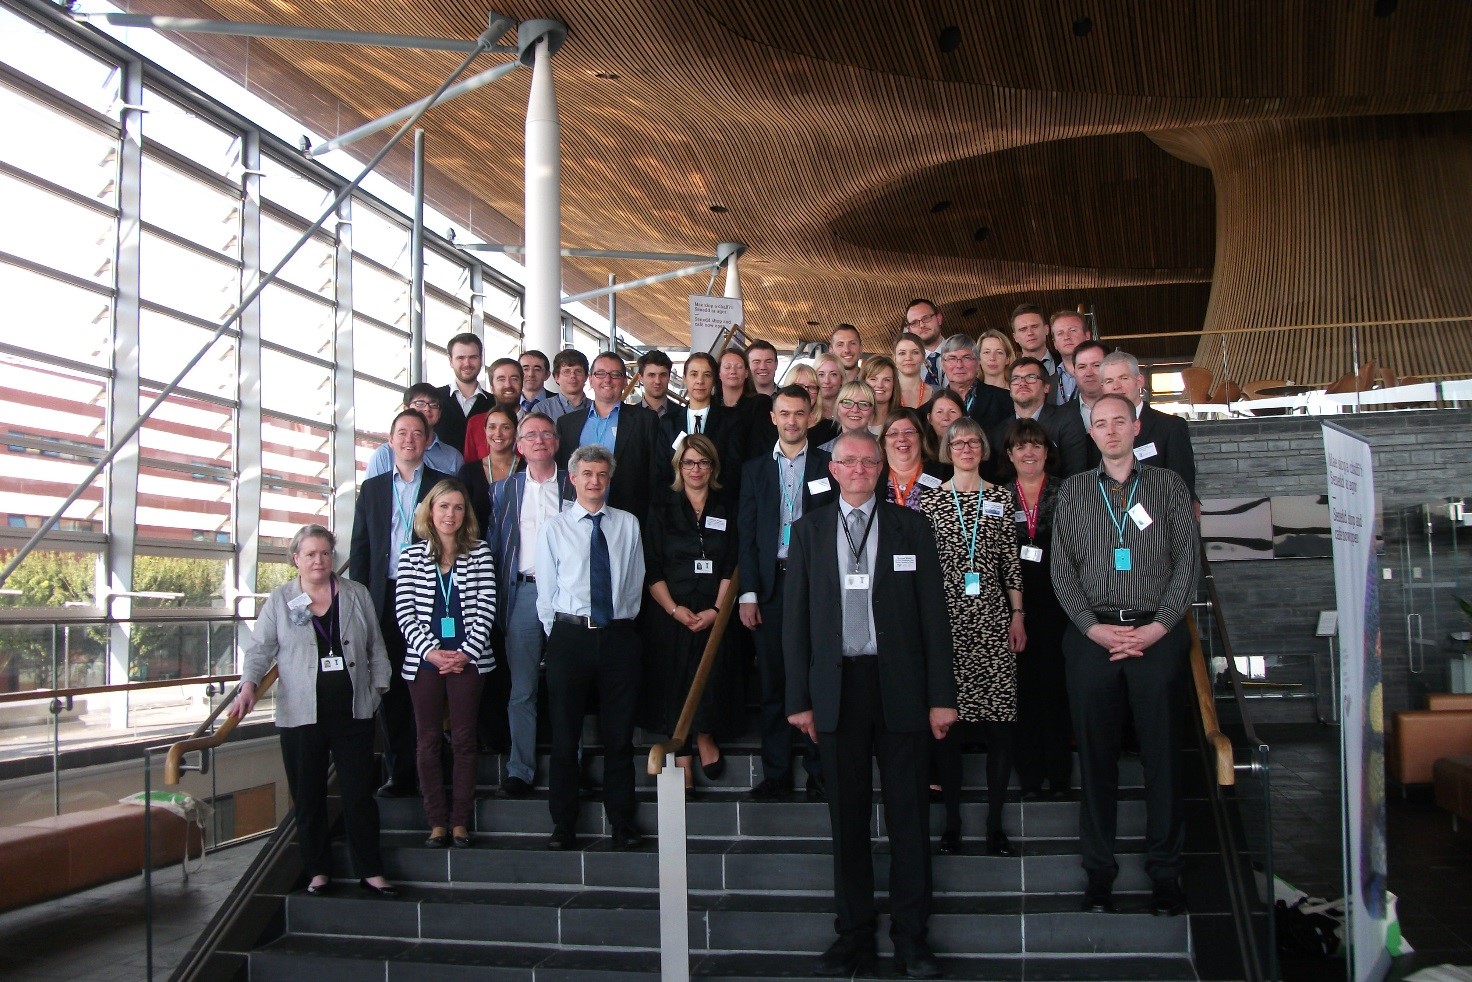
(186, 806)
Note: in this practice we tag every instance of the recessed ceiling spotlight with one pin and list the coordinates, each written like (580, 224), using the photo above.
(949, 40)
(969, 312)
(1082, 26)
(608, 76)
(940, 206)
(812, 323)
(718, 209)
(1384, 8)
(982, 234)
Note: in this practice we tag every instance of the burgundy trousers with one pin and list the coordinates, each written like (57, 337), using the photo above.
(431, 693)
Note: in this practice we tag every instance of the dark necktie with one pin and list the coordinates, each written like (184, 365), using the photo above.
(601, 575)
(932, 368)
(699, 424)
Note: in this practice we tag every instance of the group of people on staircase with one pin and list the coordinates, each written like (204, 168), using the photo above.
(923, 550)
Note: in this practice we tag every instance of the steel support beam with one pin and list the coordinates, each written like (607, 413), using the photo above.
(543, 213)
(613, 316)
(674, 274)
(196, 25)
(636, 256)
(416, 267)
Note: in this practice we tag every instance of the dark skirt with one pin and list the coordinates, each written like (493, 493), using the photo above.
(671, 656)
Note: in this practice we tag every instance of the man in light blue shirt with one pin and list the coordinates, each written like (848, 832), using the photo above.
(424, 399)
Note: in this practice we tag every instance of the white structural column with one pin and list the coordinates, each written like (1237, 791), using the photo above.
(248, 416)
(543, 305)
(344, 462)
(733, 278)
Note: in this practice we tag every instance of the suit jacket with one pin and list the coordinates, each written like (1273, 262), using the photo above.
(1171, 438)
(451, 427)
(373, 533)
(761, 432)
(503, 535)
(1065, 428)
(912, 628)
(726, 428)
(760, 517)
(642, 454)
(989, 405)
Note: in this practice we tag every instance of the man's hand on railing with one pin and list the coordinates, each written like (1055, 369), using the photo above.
(245, 701)
(751, 616)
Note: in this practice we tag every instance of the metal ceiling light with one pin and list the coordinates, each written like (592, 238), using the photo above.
(940, 206)
(949, 40)
(1082, 26)
(982, 234)
(718, 209)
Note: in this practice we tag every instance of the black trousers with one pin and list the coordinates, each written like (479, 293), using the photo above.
(948, 759)
(1044, 736)
(304, 751)
(396, 712)
(1153, 688)
(777, 733)
(849, 750)
(579, 661)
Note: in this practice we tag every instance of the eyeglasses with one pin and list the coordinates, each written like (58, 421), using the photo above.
(423, 404)
(1031, 378)
(695, 465)
(538, 436)
(920, 320)
(953, 359)
(603, 376)
(856, 404)
(901, 435)
(865, 462)
(965, 444)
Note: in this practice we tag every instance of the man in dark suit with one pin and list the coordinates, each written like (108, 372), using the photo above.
(881, 686)
(465, 397)
(632, 433)
(1164, 440)
(777, 488)
(986, 404)
(383, 527)
(1029, 383)
(520, 502)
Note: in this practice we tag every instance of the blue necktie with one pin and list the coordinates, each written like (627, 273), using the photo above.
(932, 368)
(601, 575)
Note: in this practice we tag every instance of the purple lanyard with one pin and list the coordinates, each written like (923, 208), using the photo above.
(317, 622)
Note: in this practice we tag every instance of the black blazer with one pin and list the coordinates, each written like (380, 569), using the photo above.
(760, 516)
(912, 628)
(725, 427)
(1065, 428)
(988, 405)
(451, 427)
(673, 541)
(1172, 440)
(373, 523)
(642, 471)
(761, 432)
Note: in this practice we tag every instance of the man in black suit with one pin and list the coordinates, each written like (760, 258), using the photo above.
(986, 404)
(632, 433)
(1164, 440)
(1029, 382)
(383, 527)
(777, 488)
(465, 398)
(881, 685)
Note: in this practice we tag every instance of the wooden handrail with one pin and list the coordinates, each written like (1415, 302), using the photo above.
(174, 759)
(697, 685)
(91, 690)
(1226, 773)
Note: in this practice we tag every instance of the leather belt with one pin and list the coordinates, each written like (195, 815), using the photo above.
(583, 621)
(525, 578)
(1128, 616)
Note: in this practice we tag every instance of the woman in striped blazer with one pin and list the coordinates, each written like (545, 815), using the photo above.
(445, 602)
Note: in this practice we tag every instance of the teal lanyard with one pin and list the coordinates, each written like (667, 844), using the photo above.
(790, 496)
(447, 586)
(1119, 522)
(976, 526)
(405, 518)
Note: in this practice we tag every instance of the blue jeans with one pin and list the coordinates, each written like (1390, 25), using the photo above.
(524, 643)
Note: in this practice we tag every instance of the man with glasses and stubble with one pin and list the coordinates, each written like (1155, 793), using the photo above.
(1030, 401)
(632, 433)
(424, 399)
(923, 319)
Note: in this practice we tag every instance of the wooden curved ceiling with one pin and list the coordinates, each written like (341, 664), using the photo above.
(826, 132)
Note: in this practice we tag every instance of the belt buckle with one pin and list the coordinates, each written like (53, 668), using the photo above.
(1125, 616)
(588, 623)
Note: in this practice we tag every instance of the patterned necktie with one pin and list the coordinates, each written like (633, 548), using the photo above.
(700, 424)
(601, 578)
(932, 368)
(855, 602)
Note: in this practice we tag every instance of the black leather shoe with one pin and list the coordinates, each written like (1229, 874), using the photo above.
(714, 770)
(627, 837)
(915, 960)
(817, 791)
(320, 889)
(849, 954)
(438, 841)
(462, 841)
(950, 842)
(395, 789)
(997, 844)
(771, 789)
(1167, 899)
(1099, 896)
(513, 787)
(386, 892)
(562, 840)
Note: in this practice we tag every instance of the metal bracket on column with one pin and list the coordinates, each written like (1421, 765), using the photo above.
(706, 264)
(532, 31)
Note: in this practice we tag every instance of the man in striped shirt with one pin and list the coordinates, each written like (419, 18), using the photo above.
(1125, 564)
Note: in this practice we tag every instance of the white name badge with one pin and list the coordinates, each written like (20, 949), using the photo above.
(299, 601)
(1140, 517)
(993, 509)
(1031, 553)
(715, 524)
(1145, 452)
(928, 481)
(856, 581)
(1019, 516)
(904, 564)
(819, 486)
(705, 566)
(675, 443)
(333, 664)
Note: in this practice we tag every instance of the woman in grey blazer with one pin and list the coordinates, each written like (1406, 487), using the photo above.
(323, 636)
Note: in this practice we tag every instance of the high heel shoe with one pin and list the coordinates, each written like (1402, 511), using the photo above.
(714, 770)
(388, 892)
(319, 889)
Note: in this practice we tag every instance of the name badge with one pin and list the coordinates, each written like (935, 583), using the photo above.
(904, 564)
(993, 509)
(928, 481)
(856, 581)
(786, 536)
(705, 566)
(1122, 559)
(1140, 517)
(675, 443)
(973, 584)
(447, 627)
(298, 601)
(1145, 451)
(1031, 554)
(819, 486)
(1020, 516)
(333, 664)
(715, 524)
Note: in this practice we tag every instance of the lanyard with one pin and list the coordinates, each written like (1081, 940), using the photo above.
(790, 494)
(976, 527)
(317, 622)
(902, 489)
(405, 518)
(1118, 522)
(1031, 514)
(447, 585)
(858, 550)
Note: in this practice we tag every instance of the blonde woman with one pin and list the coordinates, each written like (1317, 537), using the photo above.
(884, 378)
(909, 360)
(855, 411)
(830, 380)
(996, 354)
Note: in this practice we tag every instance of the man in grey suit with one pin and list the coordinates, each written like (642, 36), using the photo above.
(882, 686)
(519, 505)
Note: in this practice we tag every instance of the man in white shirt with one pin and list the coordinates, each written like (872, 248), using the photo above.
(520, 505)
(1068, 333)
(424, 399)
(590, 579)
(923, 319)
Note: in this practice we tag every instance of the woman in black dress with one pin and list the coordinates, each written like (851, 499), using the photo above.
(690, 551)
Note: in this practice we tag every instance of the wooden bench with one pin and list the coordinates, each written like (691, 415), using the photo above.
(54, 856)
(1452, 782)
